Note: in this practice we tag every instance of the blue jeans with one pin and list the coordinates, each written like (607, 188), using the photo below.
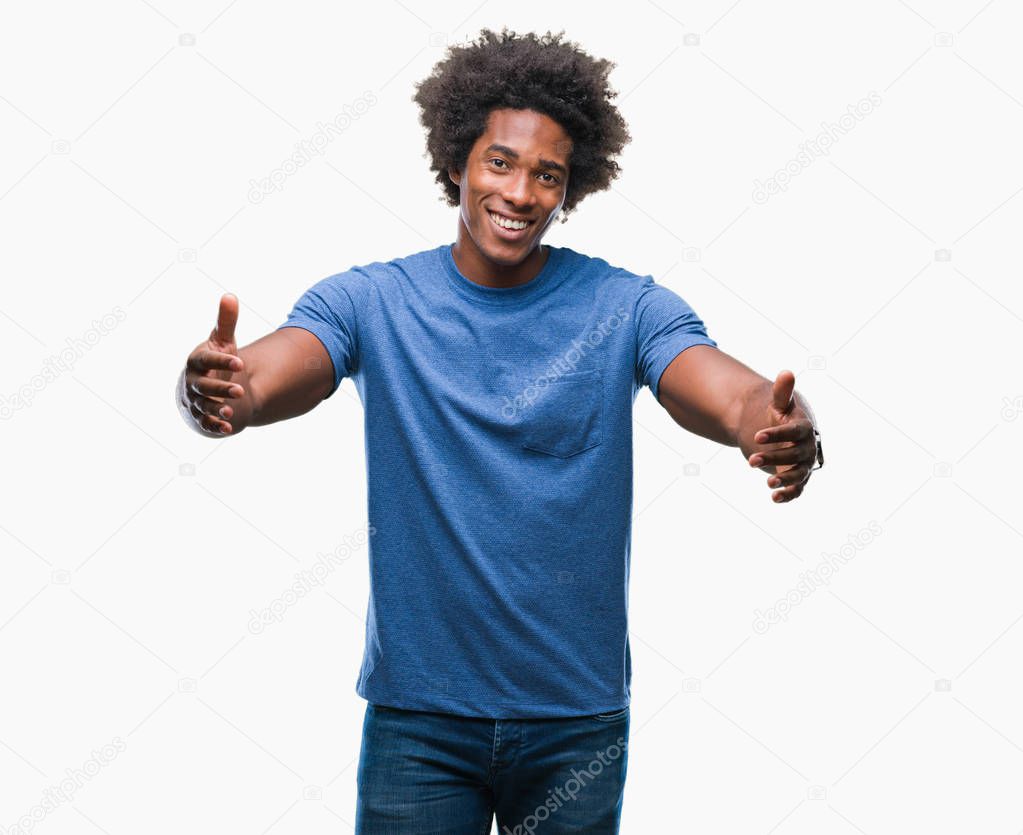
(424, 773)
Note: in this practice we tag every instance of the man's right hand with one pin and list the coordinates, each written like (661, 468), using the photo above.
(281, 375)
(211, 387)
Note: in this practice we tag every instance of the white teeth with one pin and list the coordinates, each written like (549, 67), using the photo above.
(508, 224)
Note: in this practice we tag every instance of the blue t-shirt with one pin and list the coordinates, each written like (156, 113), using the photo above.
(498, 431)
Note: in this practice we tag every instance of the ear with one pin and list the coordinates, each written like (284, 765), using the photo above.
(455, 176)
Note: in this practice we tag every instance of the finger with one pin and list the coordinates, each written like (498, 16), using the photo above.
(799, 454)
(782, 392)
(794, 430)
(209, 406)
(210, 423)
(227, 317)
(207, 360)
(793, 475)
(215, 387)
(787, 494)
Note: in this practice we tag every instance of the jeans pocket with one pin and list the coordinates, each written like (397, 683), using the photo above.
(611, 716)
(566, 417)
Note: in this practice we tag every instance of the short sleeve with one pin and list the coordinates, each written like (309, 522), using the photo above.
(326, 311)
(665, 326)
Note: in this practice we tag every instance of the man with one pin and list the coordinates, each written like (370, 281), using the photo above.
(498, 377)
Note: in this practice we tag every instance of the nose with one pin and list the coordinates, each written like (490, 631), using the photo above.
(518, 190)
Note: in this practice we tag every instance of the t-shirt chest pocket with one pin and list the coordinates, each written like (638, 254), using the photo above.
(565, 416)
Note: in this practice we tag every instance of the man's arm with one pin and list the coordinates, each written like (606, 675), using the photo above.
(281, 375)
(713, 395)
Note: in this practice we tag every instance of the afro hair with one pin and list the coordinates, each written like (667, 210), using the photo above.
(541, 73)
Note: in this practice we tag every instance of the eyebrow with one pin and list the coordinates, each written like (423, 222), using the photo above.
(544, 163)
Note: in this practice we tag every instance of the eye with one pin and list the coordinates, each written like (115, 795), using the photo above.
(552, 179)
(497, 159)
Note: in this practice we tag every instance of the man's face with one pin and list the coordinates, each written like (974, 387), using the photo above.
(517, 170)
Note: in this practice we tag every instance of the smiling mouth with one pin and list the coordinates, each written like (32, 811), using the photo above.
(512, 228)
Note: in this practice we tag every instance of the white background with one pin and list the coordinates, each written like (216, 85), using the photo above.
(133, 549)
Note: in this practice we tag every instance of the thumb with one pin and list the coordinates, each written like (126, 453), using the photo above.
(784, 384)
(227, 318)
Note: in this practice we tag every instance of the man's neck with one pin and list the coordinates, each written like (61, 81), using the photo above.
(475, 266)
